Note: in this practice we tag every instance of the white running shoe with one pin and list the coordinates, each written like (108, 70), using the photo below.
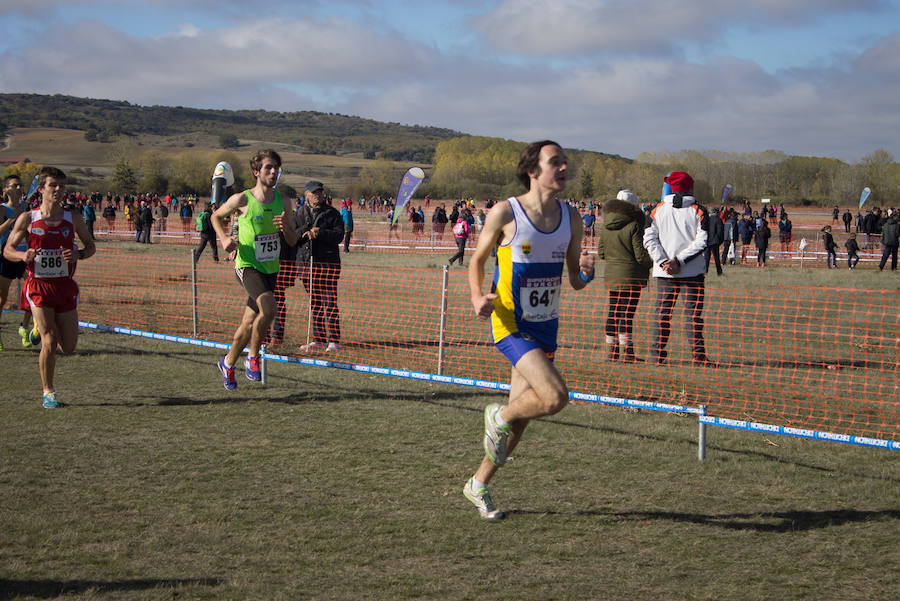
(481, 499)
(312, 347)
(495, 435)
(332, 347)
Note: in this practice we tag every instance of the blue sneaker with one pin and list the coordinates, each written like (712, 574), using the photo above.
(49, 401)
(251, 368)
(230, 383)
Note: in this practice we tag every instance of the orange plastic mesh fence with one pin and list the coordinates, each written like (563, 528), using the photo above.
(818, 358)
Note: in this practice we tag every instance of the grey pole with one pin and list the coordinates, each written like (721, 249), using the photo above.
(264, 380)
(194, 291)
(310, 293)
(444, 279)
(701, 447)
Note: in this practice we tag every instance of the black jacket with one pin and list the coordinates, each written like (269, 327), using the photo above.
(716, 234)
(762, 236)
(890, 233)
(870, 223)
(324, 249)
(146, 216)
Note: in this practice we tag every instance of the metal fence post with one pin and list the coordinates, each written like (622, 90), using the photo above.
(701, 447)
(194, 291)
(309, 293)
(264, 380)
(444, 279)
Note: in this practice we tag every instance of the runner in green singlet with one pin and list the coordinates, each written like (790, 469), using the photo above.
(257, 248)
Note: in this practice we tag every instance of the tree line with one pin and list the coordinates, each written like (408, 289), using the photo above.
(482, 167)
(485, 167)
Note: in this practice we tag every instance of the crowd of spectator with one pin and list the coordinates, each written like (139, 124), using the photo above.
(735, 230)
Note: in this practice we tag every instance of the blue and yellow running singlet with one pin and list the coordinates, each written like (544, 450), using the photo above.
(528, 279)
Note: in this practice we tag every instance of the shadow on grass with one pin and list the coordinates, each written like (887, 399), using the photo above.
(775, 522)
(315, 393)
(442, 400)
(820, 365)
(48, 589)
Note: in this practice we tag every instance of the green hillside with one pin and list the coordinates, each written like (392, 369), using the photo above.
(308, 131)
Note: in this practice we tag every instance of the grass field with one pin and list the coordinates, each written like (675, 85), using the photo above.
(155, 483)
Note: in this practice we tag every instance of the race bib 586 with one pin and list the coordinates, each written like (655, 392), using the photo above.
(49, 263)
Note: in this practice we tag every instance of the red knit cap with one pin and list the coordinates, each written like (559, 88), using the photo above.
(680, 181)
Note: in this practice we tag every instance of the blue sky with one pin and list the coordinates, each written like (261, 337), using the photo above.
(808, 77)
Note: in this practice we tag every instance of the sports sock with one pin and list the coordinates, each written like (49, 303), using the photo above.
(500, 420)
(477, 485)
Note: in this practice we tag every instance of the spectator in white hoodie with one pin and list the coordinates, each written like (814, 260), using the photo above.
(676, 240)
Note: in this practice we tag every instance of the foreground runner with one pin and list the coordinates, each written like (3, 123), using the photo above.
(12, 270)
(534, 235)
(258, 247)
(50, 262)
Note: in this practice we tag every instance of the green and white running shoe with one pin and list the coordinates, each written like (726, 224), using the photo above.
(481, 499)
(26, 340)
(495, 435)
(49, 401)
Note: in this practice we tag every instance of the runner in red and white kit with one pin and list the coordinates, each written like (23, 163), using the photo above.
(50, 264)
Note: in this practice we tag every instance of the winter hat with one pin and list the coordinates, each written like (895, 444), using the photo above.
(629, 197)
(680, 181)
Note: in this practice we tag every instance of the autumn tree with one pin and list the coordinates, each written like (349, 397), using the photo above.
(877, 174)
(124, 178)
(155, 170)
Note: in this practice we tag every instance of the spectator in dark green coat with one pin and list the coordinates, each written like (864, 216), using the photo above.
(620, 244)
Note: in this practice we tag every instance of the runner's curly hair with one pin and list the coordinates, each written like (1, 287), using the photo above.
(266, 153)
(528, 161)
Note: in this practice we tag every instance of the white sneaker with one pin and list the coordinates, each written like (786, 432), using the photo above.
(481, 498)
(332, 347)
(312, 347)
(495, 435)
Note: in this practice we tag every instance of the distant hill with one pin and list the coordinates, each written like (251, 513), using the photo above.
(309, 131)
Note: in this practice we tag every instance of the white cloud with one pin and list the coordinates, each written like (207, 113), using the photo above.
(883, 57)
(584, 27)
(92, 56)
(187, 30)
(643, 102)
